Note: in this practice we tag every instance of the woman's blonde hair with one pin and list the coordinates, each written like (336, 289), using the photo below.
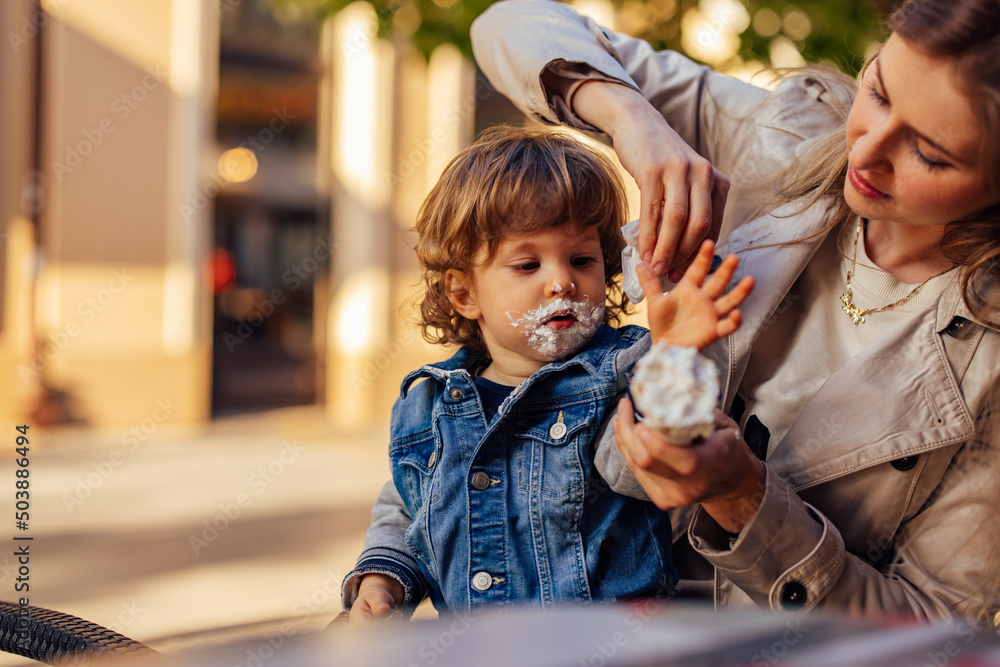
(514, 181)
(969, 32)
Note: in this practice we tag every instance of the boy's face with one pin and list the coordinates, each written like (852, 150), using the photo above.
(539, 299)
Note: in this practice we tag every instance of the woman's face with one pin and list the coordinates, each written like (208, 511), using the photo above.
(917, 151)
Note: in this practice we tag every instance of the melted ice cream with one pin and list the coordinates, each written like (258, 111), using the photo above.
(676, 390)
(556, 343)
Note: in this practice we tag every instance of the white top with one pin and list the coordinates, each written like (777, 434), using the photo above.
(782, 375)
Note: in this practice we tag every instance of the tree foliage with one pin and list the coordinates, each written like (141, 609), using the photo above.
(840, 32)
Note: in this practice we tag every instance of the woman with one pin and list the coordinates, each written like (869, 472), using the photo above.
(863, 382)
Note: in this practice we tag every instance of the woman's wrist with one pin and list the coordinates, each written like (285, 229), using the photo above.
(609, 105)
(736, 510)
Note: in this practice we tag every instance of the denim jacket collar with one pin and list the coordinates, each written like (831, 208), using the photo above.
(592, 359)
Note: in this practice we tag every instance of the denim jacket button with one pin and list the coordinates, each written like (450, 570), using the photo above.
(455, 393)
(482, 581)
(481, 481)
(557, 431)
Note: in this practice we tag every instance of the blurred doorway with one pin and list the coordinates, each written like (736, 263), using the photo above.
(271, 232)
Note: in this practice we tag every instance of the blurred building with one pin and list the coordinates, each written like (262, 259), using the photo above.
(204, 208)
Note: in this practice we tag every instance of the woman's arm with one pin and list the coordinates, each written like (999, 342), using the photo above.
(786, 555)
(660, 109)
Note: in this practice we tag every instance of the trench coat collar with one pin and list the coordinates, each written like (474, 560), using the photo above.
(848, 424)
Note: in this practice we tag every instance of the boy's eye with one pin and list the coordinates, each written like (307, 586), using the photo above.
(526, 266)
(582, 262)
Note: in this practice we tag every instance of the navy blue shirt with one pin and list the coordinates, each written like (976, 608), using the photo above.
(491, 394)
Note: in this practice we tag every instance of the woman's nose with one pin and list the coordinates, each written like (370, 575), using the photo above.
(872, 150)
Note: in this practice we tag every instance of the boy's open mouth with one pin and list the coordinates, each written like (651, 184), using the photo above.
(563, 319)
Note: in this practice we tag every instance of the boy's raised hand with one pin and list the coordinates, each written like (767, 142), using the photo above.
(696, 312)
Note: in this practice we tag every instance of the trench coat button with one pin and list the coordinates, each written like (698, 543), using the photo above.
(455, 393)
(956, 328)
(481, 480)
(793, 595)
(905, 463)
(482, 581)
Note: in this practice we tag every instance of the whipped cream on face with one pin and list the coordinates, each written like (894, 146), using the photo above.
(554, 343)
(676, 390)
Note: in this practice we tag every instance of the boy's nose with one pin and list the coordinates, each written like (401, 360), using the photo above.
(561, 287)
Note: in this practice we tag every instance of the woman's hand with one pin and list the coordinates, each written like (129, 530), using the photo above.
(696, 312)
(682, 196)
(720, 472)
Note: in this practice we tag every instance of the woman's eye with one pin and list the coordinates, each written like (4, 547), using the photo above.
(927, 162)
(873, 91)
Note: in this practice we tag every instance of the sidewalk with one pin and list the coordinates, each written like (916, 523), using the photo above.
(163, 530)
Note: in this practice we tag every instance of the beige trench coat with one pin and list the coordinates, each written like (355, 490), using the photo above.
(883, 495)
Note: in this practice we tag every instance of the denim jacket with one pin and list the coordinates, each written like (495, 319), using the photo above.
(510, 511)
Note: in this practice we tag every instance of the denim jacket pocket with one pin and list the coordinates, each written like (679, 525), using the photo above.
(553, 451)
(415, 460)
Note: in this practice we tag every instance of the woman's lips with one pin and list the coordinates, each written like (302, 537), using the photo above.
(864, 188)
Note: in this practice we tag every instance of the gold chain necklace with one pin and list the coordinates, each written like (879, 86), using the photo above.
(858, 314)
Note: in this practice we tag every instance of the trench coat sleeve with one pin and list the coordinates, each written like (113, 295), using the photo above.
(538, 52)
(791, 557)
(608, 460)
(386, 552)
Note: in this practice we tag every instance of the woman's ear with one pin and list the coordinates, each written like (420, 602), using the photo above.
(461, 292)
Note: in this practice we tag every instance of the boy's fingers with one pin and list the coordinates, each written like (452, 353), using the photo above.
(381, 608)
(360, 612)
(738, 295)
(719, 280)
(729, 324)
(701, 265)
(648, 280)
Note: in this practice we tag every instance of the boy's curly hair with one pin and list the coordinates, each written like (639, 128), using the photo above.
(514, 181)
